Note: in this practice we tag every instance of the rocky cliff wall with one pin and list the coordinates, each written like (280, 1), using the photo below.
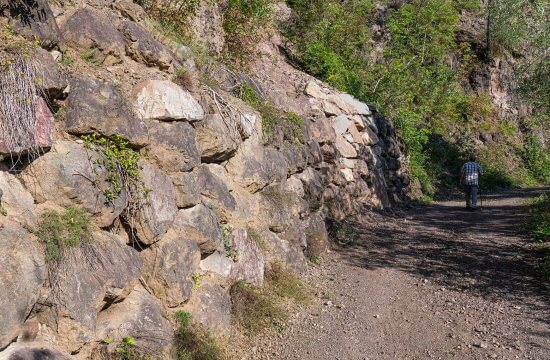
(220, 200)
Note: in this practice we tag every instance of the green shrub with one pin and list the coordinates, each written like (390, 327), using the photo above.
(539, 219)
(61, 230)
(538, 159)
(244, 22)
(194, 342)
(121, 163)
(172, 17)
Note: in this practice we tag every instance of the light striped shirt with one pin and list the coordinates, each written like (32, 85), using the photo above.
(470, 172)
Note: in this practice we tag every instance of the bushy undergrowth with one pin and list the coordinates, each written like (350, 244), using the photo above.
(61, 230)
(539, 220)
(411, 80)
(256, 308)
(194, 342)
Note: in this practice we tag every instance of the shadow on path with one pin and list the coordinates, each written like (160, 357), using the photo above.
(484, 253)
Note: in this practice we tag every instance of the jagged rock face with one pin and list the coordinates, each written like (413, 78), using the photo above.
(95, 30)
(140, 316)
(64, 176)
(164, 100)
(94, 106)
(221, 203)
(22, 273)
(34, 19)
(31, 351)
(170, 266)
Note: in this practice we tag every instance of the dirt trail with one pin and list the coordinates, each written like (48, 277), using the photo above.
(436, 282)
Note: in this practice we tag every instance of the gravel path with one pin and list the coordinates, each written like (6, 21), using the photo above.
(433, 283)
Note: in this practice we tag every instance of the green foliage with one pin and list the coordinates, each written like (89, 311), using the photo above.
(275, 123)
(254, 309)
(545, 264)
(61, 230)
(171, 17)
(244, 22)
(194, 342)
(90, 56)
(539, 219)
(345, 232)
(121, 163)
(537, 158)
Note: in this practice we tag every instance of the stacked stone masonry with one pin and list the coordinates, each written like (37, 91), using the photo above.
(222, 205)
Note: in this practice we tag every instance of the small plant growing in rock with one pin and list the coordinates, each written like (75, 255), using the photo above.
(61, 230)
(226, 230)
(90, 56)
(197, 280)
(194, 342)
(183, 78)
(274, 121)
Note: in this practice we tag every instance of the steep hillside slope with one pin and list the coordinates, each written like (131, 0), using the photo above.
(141, 178)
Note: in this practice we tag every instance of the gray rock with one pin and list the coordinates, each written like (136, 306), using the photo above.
(296, 157)
(16, 200)
(155, 217)
(282, 250)
(34, 19)
(64, 177)
(22, 273)
(171, 264)
(369, 137)
(30, 351)
(164, 100)
(51, 79)
(344, 147)
(250, 265)
(322, 131)
(217, 139)
(340, 124)
(218, 263)
(354, 105)
(214, 189)
(200, 225)
(130, 9)
(173, 147)
(140, 316)
(142, 47)
(91, 29)
(254, 167)
(187, 191)
(211, 307)
(314, 90)
(92, 276)
(94, 106)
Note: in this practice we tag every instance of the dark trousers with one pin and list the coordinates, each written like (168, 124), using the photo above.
(471, 195)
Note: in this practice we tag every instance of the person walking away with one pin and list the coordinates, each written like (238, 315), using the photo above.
(469, 179)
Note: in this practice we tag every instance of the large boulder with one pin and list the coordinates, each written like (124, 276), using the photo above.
(37, 138)
(214, 190)
(66, 176)
(282, 250)
(217, 138)
(141, 317)
(30, 351)
(16, 200)
(164, 100)
(173, 146)
(142, 47)
(155, 216)
(22, 273)
(169, 268)
(94, 106)
(34, 19)
(211, 306)
(250, 264)
(200, 225)
(90, 277)
(91, 29)
(187, 191)
(254, 167)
